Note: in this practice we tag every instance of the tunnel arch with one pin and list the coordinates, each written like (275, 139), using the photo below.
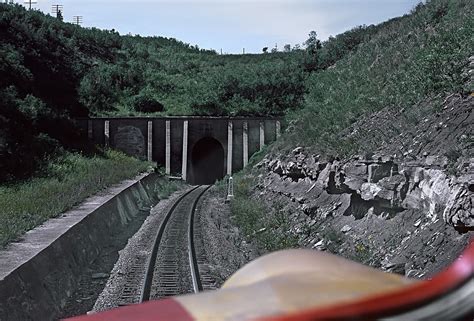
(207, 161)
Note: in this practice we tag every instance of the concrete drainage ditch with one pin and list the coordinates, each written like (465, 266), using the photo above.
(39, 273)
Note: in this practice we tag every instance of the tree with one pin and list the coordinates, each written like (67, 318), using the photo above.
(313, 44)
(287, 48)
(265, 49)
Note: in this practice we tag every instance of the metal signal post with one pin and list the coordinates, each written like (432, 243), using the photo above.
(230, 189)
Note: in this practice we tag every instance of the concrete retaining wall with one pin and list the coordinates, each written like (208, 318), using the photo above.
(40, 272)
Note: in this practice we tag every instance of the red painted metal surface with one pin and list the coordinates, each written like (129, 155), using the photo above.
(395, 302)
(162, 310)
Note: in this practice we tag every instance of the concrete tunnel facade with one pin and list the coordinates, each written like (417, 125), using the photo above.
(199, 149)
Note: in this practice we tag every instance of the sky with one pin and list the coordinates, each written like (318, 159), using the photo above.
(230, 25)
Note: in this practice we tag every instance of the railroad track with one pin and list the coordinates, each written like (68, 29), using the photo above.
(177, 263)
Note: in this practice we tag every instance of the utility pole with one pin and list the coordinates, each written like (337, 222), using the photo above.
(57, 9)
(77, 20)
(30, 2)
(243, 51)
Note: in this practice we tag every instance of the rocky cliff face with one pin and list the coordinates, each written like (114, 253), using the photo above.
(406, 207)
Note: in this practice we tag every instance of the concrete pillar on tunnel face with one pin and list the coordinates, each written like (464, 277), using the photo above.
(262, 135)
(184, 167)
(278, 129)
(246, 142)
(168, 148)
(107, 133)
(229, 147)
(90, 130)
(149, 141)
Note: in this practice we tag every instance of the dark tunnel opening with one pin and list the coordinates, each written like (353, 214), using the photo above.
(207, 161)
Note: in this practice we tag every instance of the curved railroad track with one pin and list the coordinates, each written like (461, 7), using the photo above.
(173, 267)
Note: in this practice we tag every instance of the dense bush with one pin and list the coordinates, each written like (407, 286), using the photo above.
(146, 104)
(42, 61)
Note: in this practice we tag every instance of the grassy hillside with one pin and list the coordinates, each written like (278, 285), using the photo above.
(407, 60)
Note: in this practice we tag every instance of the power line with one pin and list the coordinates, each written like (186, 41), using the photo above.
(30, 2)
(57, 9)
(77, 20)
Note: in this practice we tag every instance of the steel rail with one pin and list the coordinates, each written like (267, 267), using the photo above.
(193, 263)
(151, 264)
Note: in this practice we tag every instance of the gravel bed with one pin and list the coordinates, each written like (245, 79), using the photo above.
(136, 251)
(225, 247)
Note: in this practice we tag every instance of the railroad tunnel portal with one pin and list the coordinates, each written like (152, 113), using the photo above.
(198, 149)
(207, 162)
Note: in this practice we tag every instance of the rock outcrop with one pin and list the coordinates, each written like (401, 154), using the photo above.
(406, 207)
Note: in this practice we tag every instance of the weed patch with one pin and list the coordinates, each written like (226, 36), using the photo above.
(268, 227)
